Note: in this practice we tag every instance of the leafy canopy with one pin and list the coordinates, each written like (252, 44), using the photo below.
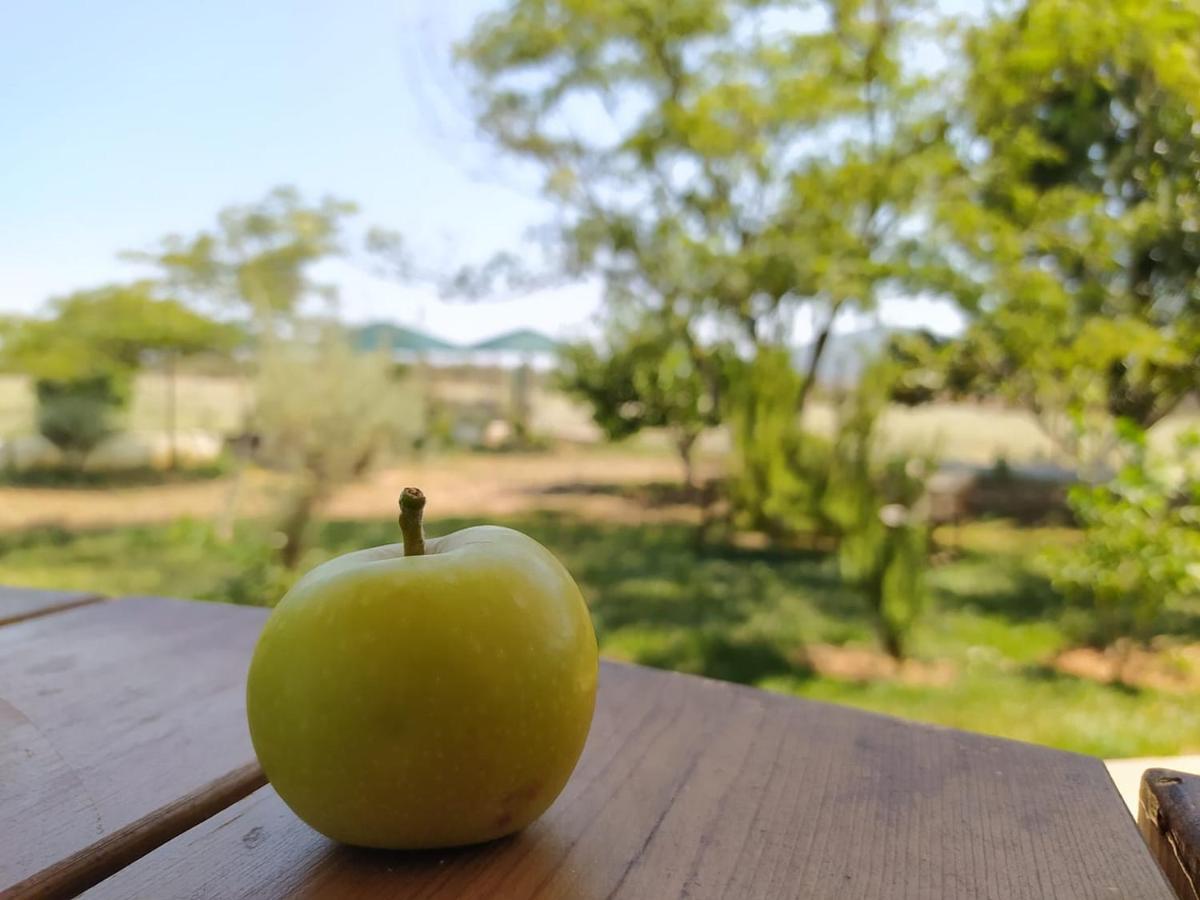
(107, 333)
(740, 159)
(259, 256)
(1074, 222)
(643, 376)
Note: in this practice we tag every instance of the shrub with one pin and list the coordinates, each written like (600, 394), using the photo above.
(75, 416)
(876, 505)
(780, 470)
(872, 503)
(325, 414)
(1140, 552)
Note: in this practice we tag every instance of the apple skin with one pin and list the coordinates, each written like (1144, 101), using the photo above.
(425, 701)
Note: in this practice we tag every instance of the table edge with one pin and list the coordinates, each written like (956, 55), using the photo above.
(87, 867)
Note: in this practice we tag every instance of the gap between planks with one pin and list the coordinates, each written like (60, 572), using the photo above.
(116, 850)
(82, 599)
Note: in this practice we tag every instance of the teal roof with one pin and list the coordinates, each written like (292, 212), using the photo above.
(524, 340)
(386, 336)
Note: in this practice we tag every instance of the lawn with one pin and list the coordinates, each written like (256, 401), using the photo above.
(741, 615)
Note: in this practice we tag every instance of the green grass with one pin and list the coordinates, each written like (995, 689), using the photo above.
(739, 615)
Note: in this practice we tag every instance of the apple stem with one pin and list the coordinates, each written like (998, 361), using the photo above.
(412, 506)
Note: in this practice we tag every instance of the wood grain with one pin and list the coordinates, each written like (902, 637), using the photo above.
(121, 725)
(17, 604)
(1169, 817)
(694, 788)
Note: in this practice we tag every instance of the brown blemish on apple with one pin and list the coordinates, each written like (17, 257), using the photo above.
(514, 802)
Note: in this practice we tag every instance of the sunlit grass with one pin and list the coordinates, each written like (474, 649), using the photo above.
(739, 615)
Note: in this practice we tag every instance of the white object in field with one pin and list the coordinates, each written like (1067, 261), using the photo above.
(496, 434)
(134, 450)
(125, 450)
(28, 451)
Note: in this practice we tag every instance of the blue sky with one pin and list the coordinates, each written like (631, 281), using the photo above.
(122, 121)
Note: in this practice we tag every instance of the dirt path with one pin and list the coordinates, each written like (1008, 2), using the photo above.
(584, 481)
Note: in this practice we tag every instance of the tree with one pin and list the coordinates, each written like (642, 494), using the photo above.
(1074, 222)
(647, 375)
(324, 413)
(729, 159)
(168, 330)
(83, 358)
(76, 416)
(8, 325)
(259, 258)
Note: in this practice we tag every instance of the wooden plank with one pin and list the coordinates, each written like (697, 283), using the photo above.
(694, 788)
(1169, 817)
(18, 604)
(121, 725)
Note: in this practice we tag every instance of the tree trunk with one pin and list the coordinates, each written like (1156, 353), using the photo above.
(425, 392)
(228, 514)
(685, 443)
(521, 404)
(172, 426)
(814, 361)
(295, 524)
(892, 643)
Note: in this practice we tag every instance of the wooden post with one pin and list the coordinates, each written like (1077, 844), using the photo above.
(521, 403)
(172, 427)
(1169, 819)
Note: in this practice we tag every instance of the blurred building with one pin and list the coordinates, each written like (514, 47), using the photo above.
(510, 350)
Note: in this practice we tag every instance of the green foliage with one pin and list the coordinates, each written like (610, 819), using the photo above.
(254, 574)
(780, 472)
(102, 480)
(1073, 220)
(76, 416)
(323, 407)
(324, 413)
(876, 505)
(739, 161)
(84, 357)
(258, 259)
(637, 381)
(749, 164)
(1140, 554)
(9, 324)
(871, 503)
(649, 374)
(109, 332)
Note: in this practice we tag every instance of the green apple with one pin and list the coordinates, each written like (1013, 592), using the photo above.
(427, 694)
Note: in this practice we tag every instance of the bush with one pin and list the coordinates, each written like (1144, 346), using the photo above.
(75, 416)
(790, 481)
(877, 507)
(780, 470)
(1140, 553)
(325, 414)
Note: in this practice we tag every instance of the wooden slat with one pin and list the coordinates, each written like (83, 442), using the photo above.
(1169, 817)
(693, 788)
(17, 604)
(122, 724)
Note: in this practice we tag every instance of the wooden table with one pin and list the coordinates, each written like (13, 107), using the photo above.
(126, 771)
